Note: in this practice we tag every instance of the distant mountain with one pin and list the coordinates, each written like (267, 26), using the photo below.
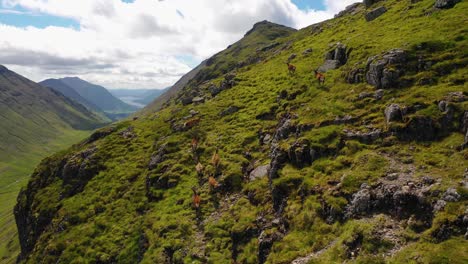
(98, 96)
(69, 92)
(151, 95)
(32, 114)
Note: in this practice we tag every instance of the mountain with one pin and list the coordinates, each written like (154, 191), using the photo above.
(35, 122)
(252, 161)
(98, 95)
(150, 96)
(69, 92)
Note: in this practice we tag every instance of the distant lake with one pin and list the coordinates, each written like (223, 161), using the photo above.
(132, 100)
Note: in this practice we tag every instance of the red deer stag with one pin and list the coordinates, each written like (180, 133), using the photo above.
(196, 198)
(291, 68)
(320, 77)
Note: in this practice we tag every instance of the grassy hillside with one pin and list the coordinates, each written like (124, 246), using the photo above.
(368, 168)
(34, 123)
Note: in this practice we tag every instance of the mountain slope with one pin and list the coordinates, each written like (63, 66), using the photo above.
(34, 122)
(369, 167)
(98, 96)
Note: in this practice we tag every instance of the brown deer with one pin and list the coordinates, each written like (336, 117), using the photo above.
(291, 68)
(215, 159)
(196, 198)
(320, 77)
(194, 144)
(192, 122)
(213, 182)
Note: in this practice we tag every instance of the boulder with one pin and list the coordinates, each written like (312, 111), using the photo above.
(442, 106)
(451, 195)
(372, 15)
(393, 113)
(445, 3)
(378, 95)
(198, 100)
(186, 100)
(380, 75)
(259, 172)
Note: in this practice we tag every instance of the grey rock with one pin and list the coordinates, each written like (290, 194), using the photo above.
(364, 95)
(393, 113)
(267, 139)
(292, 57)
(259, 172)
(451, 195)
(378, 95)
(360, 203)
(372, 15)
(439, 205)
(157, 157)
(368, 3)
(351, 9)
(198, 100)
(379, 75)
(329, 65)
(442, 106)
(307, 51)
(193, 112)
(445, 3)
(229, 111)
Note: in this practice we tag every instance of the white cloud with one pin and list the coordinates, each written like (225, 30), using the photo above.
(136, 45)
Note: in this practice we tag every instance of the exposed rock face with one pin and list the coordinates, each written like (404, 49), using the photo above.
(300, 154)
(157, 157)
(400, 201)
(364, 137)
(128, 133)
(99, 134)
(198, 100)
(380, 75)
(372, 15)
(393, 113)
(355, 76)
(259, 172)
(78, 170)
(336, 57)
(445, 3)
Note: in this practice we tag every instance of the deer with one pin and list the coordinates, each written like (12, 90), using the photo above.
(192, 122)
(215, 159)
(194, 144)
(291, 68)
(213, 182)
(196, 198)
(320, 77)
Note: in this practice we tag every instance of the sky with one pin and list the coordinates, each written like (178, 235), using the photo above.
(145, 44)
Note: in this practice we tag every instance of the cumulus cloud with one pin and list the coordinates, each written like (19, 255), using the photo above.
(138, 44)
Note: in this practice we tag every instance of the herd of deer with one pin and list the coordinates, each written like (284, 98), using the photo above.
(200, 169)
(318, 75)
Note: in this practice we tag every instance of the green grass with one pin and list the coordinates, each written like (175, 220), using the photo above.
(119, 218)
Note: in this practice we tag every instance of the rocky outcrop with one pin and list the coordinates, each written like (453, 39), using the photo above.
(157, 157)
(335, 58)
(350, 10)
(445, 4)
(374, 14)
(363, 137)
(101, 133)
(384, 72)
(393, 113)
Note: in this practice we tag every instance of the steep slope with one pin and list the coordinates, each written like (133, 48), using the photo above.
(34, 122)
(98, 96)
(259, 165)
(261, 37)
(152, 95)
